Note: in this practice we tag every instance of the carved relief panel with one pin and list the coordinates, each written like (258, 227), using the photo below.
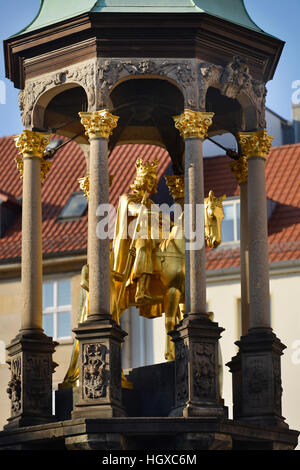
(95, 372)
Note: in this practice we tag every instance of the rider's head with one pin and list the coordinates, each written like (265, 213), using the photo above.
(146, 177)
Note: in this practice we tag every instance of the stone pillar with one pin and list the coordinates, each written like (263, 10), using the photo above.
(99, 336)
(240, 170)
(197, 388)
(30, 353)
(256, 369)
(256, 146)
(193, 126)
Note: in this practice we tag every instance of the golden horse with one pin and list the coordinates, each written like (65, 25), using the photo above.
(167, 284)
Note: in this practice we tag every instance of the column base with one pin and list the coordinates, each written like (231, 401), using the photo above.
(100, 391)
(256, 376)
(30, 387)
(197, 382)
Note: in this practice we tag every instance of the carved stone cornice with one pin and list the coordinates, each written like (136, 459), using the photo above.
(255, 144)
(240, 169)
(193, 124)
(99, 123)
(32, 144)
(175, 184)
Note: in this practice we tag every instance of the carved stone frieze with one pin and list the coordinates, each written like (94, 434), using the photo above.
(256, 383)
(204, 371)
(38, 386)
(110, 71)
(233, 80)
(14, 386)
(83, 75)
(95, 374)
(99, 76)
(181, 367)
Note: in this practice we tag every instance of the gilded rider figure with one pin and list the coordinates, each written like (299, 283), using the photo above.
(137, 211)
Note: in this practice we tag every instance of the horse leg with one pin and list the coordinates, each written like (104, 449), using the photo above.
(171, 301)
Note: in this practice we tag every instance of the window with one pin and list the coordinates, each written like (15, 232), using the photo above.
(57, 309)
(75, 207)
(231, 221)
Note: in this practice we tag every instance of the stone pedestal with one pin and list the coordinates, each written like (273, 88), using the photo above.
(30, 387)
(197, 387)
(100, 393)
(256, 377)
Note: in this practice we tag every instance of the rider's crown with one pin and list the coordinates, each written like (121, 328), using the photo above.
(147, 169)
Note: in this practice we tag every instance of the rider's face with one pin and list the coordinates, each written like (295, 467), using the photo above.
(151, 185)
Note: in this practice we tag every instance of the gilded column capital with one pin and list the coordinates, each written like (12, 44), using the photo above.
(98, 123)
(193, 124)
(33, 144)
(175, 184)
(240, 169)
(255, 144)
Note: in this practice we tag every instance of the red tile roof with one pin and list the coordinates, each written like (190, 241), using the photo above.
(282, 174)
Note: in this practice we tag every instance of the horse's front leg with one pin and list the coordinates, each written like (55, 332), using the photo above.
(171, 301)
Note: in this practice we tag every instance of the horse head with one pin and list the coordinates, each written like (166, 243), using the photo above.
(214, 214)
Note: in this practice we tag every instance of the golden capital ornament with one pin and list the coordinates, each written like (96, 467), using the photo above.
(33, 144)
(175, 184)
(240, 169)
(193, 124)
(255, 144)
(98, 123)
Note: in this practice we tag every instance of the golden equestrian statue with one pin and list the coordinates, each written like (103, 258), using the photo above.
(147, 270)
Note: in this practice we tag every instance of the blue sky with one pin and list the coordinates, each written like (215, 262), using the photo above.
(278, 18)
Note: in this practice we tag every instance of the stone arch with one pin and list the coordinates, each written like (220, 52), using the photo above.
(182, 74)
(38, 92)
(146, 106)
(235, 81)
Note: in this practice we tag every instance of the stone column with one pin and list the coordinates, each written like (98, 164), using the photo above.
(256, 369)
(30, 353)
(193, 127)
(256, 146)
(240, 170)
(99, 336)
(197, 387)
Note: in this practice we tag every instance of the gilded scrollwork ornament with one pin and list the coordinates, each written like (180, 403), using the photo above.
(240, 169)
(255, 144)
(84, 184)
(175, 184)
(193, 124)
(31, 143)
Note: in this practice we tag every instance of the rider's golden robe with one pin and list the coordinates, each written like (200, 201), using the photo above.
(128, 209)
